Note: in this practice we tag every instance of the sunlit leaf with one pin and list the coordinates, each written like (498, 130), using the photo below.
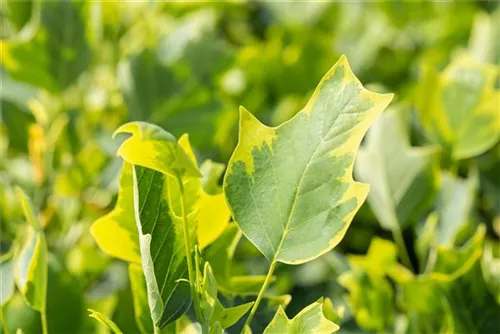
(116, 232)
(290, 188)
(152, 147)
(310, 320)
(454, 104)
(105, 321)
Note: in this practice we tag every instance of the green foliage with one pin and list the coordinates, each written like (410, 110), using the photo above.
(152, 233)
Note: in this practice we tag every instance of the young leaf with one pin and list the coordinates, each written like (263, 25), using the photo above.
(7, 278)
(105, 321)
(229, 316)
(290, 188)
(402, 178)
(152, 147)
(309, 321)
(116, 232)
(454, 104)
(32, 262)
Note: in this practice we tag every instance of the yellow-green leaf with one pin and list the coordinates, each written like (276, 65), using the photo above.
(452, 105)
(290, 188)
(151, 146)
(32, 262)
(116, 232)
(105, 321)
(309, 321)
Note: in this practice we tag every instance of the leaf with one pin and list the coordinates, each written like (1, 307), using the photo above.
(290, 188)
(16, 314)
(309, 321)
(210, 209)
(161, 241)
(105, 321)
(454, 104)
(152, 147)
(65, 299)
(454, 206)
(7, 278)
(31, 267)
(370, 298)
(116, 232)
(51, 59)
(207, 289)
(229, 316)
(490, 264)
(402, 178)
(140, 297)
(220, 256)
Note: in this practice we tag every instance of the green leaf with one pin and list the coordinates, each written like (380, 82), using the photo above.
(19, 315)
(454, 206)
(290, 188)
(402, 178)
(31, 267)
(490, 264)
(7, 278)
(162, 246)
(51, 59)
(65, 299)
(454, 104)
(229, 316)
(140, 297)
(207, 288)
(116, 232)
(105, 321)
(309, 321)
(220, 255)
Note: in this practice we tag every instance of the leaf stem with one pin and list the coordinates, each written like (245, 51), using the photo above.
(400, 241)
(187, 246)
(43, 314)
(260, 295)
(2, 321)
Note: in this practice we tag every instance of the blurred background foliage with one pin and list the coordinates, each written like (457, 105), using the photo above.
(73, 71)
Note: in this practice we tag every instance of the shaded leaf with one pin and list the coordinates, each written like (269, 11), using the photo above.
(7, 278)
(31, 266)
(162, 246)
(220, 255)
(290, 188)
(140, 297)
(402, 178)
